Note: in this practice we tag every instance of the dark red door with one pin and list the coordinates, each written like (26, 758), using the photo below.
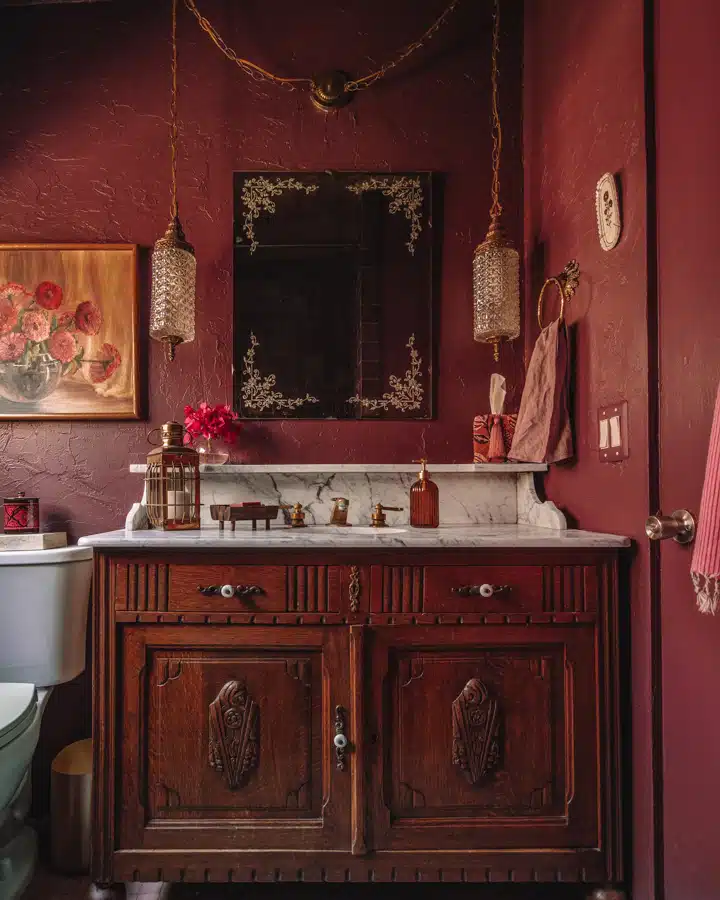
(687, 76)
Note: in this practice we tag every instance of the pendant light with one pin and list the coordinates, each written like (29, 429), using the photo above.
(496, 264)
(172, 304)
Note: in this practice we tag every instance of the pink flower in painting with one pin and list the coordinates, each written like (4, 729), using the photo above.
(48, 295)
(62, 346)
(14, 292)
(66, 321)
(8, 315)
(12, 346)
(108, 363)
(88, 318)
(35, 325)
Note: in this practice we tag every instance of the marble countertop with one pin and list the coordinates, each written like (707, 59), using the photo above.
(327, 536)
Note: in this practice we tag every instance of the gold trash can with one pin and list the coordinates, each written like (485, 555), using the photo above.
(70, 803)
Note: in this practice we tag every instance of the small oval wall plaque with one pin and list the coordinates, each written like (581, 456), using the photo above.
(607, 206)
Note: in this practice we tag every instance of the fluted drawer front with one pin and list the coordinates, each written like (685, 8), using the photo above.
(504, 589)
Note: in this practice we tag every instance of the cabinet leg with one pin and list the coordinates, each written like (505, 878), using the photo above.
(608, 894)
(100, 890)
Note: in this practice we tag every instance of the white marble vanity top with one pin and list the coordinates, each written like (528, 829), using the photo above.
(232, 470)
(210, 537)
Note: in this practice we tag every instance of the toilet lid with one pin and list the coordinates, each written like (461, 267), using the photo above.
(18, 703)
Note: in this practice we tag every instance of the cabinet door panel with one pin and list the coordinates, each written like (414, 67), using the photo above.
(234, 738)
(482, 732)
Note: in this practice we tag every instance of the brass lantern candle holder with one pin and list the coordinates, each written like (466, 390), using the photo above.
(172, 482)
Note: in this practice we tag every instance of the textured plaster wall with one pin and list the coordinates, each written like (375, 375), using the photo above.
(584, 115)
(84, 157)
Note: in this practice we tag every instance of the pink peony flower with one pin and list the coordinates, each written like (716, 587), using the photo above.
(62, 346)
(14, 292)
(48, 295)
(109, 362)
(12, 346)
(88, 318)
(35, 325)
(8, 315)
(67, 321)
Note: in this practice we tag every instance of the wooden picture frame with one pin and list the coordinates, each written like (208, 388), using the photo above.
(69, 333)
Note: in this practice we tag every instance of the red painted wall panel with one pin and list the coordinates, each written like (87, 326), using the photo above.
(687, 67)
(583, 116)
(84, 156)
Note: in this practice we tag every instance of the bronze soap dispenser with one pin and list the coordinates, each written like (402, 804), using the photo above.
(424, 500)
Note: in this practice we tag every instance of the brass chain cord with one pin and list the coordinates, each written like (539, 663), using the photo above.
(367, 80)
(260, 74)
(496, 208)
(173, 115)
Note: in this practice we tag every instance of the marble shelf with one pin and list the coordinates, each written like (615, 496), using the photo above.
(231, 469)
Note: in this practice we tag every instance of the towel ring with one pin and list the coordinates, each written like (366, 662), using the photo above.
(566, 282)
(552, 280)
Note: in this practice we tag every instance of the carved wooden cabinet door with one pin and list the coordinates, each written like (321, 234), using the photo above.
(483, 737)
(228, 738)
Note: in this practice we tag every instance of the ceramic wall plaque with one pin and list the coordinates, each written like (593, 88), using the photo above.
(607, 207)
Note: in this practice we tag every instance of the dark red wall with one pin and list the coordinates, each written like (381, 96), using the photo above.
(84, 157)
(84, 93)
(584, 115)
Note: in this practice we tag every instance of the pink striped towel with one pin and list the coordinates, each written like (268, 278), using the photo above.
(705, 568)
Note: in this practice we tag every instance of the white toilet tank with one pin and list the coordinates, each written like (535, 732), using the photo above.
(43, 614)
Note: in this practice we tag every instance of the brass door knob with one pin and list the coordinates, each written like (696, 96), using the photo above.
(680, 526)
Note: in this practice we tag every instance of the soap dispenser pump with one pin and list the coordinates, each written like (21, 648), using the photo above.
(424, 500)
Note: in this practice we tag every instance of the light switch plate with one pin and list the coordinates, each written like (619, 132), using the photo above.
(613, 437)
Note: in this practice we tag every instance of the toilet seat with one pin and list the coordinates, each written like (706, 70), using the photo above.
(18, 706)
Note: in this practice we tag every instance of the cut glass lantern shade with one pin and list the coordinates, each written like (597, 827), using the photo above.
(172, 306)
(496, 288)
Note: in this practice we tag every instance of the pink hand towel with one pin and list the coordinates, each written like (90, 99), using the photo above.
(705, 568)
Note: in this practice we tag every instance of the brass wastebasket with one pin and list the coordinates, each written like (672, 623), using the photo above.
(70, 799)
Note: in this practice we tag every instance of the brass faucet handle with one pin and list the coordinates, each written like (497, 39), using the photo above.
(378, 516)
(297, 516)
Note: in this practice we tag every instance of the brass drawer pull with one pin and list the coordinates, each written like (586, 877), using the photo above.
(484, 590)
(230, 590)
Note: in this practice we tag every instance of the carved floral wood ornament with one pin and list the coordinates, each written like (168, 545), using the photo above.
(335, 276)
(233, 748)
(475, 731)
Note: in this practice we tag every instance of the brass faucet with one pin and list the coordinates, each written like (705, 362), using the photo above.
(296, 517)
(339, 513)
(378, 516)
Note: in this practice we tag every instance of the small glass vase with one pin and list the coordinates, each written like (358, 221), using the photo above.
(31, 380)
(212, 451)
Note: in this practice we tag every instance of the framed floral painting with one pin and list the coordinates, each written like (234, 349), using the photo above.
(69, 331)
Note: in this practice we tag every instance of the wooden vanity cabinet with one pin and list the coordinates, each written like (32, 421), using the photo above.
(482, 732)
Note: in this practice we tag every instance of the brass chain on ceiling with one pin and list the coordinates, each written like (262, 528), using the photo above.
(331, 89)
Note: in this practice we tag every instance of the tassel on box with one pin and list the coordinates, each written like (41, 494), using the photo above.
(493, 433)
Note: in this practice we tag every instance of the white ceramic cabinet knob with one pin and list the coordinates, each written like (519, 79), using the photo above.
(340, 741)
(227, 591)
(486, 590)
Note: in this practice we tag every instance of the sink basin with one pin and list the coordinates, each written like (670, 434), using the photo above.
(354, 529)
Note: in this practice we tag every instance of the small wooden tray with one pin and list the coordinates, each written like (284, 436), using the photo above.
(235, 512)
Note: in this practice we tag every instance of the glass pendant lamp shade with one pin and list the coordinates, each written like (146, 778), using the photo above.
(172, 305)
(496, 289)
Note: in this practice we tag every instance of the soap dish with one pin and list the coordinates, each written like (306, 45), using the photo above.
(238, 512)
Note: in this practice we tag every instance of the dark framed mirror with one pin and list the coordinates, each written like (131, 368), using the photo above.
(335, 278)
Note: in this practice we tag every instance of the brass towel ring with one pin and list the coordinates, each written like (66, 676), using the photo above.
(552, 280)
(566, 282)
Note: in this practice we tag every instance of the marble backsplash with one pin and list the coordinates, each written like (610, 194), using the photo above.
(464, 499)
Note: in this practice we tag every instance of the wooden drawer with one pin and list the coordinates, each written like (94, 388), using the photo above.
(261, 588)
(452, 589)
(257, 588)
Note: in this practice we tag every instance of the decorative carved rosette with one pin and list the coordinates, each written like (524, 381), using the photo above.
(233, 747)
(476, 728)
